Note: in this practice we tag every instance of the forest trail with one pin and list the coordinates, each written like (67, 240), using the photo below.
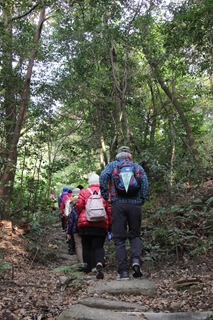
(98, 308)
(33, 289)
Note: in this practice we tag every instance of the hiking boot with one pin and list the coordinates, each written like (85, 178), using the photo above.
(99, 268)
(71, 252)
(123, 276)
(137, 272)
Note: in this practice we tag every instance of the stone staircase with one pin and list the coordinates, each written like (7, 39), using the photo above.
(95, 308)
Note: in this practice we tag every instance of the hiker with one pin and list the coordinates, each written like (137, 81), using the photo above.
(126, 195)
(53, 199)
(93, 233)
(72, 228)
(52, 196)
(60, 198)
(71, 242)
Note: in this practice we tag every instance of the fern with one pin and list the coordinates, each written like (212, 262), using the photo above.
(4, 265)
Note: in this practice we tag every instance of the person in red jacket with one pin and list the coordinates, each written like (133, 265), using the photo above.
(93, 234)
(71, 242)
(66, 196)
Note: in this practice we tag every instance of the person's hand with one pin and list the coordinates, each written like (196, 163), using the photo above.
(110, 228)
(68, 236)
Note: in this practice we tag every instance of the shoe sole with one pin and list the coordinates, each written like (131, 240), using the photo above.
(137, 271)
(119, 278)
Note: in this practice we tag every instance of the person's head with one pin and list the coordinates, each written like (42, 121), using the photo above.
(69, 191)
(65, 190)
(123, 152)
(75, 194)
(80, 187)
(123, 149)
(93, 179)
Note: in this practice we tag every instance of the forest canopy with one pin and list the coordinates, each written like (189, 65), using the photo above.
(80, 78)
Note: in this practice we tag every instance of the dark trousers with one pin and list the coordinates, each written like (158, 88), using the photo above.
(63, 222)
(126, 220)
(71, 244)
(93, 251)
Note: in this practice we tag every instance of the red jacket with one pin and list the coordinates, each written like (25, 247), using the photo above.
(81, 203)
(63, 202)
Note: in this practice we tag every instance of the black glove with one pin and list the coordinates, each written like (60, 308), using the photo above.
(110, 228)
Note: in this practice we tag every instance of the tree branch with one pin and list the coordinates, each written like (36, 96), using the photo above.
(25, 14)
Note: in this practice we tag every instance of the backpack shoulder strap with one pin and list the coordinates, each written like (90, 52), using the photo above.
(90, 190)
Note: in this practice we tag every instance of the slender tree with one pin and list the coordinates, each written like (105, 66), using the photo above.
(15, 103)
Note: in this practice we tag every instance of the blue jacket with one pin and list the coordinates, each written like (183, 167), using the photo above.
(64, 192)
(107, 184)
(72, 222)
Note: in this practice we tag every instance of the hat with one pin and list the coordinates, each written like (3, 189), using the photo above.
(80, 187)
(75, 192)
(123, 149)
(94, 178)
(70, 188)
(122, 155)
(123, 152)
(64, 190)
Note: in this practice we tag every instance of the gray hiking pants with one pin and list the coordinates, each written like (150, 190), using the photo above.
(126, 221)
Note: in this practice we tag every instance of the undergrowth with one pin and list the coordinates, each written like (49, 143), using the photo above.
(171, 230)
(178, 230)
(3, 264)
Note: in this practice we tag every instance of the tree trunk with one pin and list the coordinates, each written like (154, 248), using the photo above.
(8, 174)
(120, 88)
(187, 127)
(179, 109)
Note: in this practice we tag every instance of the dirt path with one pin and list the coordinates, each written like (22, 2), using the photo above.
(31, 290)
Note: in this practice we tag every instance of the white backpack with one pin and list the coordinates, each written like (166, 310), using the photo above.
(95, 210)
(67, 208)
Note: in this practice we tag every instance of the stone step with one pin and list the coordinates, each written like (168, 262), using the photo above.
(130, 287)
(79, 312)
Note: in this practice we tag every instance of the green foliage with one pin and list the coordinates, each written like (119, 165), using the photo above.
(63, 269)
(72, 272)
(196, 253)
(4, 265)
(66, 269)
(42, 219)
(39, 225)
(39, 253)
(209, 203)
(74, 277)
(47, 256)
(83, 100)
(35, 225)
(177, 230)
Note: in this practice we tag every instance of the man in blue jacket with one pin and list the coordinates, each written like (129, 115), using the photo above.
(124, 183)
